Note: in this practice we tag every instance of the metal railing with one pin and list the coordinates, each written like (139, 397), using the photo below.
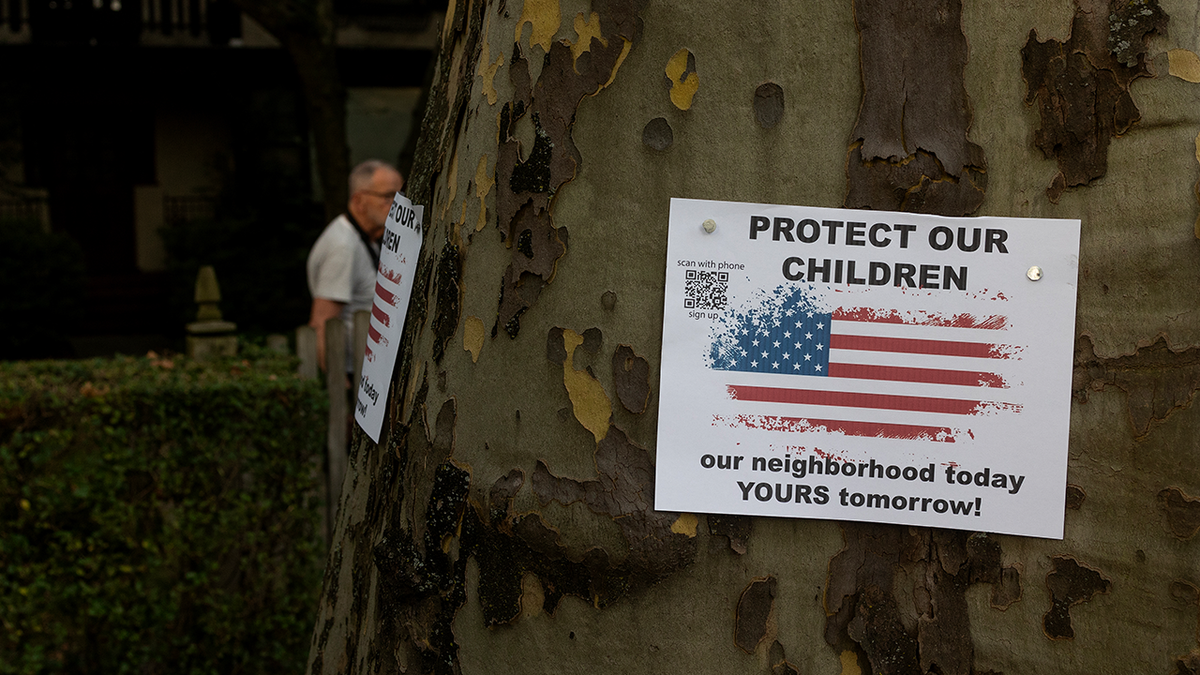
(30, 210)
(214, 22)
(189, 209)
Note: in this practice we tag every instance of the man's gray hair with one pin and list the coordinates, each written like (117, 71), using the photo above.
(361, 175)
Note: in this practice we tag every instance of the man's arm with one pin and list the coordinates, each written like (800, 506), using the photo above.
(322, 311)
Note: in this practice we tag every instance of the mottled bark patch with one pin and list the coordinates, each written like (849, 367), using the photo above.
(909, 149)
(1070, 584)
(509, 547)
(421, 586)
(527, 187)
(1157, 380)
(736, 529)
(1081, 86)
(933, 633)
(1183, 512)
(624, 490)
(631, 379)
(753, 610)
(589, 401)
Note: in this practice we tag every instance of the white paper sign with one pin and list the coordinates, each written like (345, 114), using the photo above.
(868, 366)
(400, 249)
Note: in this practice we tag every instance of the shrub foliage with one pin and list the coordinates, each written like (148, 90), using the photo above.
(158, 516)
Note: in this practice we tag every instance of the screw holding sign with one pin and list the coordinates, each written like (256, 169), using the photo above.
(1034, 273)
(710, 226)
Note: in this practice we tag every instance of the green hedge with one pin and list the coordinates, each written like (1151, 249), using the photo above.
(158, 516)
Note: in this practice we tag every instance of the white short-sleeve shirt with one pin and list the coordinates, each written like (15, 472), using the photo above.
(340, 269)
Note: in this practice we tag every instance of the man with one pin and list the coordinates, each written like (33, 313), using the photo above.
(343, 262)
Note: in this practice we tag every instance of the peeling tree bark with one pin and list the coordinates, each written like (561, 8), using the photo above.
(505, 523)
(1081, 86)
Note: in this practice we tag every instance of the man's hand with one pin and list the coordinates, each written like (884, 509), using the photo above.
(322, 311)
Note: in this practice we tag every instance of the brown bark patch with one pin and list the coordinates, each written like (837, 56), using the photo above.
(753, 610)
(1183, 512)
(448, 286)
(909, 149)
(778, 660)
(877, 628)
(556, 351)
(1187, 593)
(1158, 380)
(1075, 497)
(1081, 86)
(1008, 590)
(768, 105)
(1188, 664)
(944, 632)
(858, 594)
(909, 152)
(657, 134)
(500, 497)
(537, 250)
(984, 557)
(1070, 584)
(540, 537)
(631, 378)
(735, 528)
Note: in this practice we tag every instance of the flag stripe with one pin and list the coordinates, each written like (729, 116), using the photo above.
(863, 400)
(378, 313)
(913, 346)
(391, 275)
(914, 432)
(385, 294)
(868, 315)
(862, 371)
(374, 334)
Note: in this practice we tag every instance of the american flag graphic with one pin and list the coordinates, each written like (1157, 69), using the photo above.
(831, 364)
(382, 309)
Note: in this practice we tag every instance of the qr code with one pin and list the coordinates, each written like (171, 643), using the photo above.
(705, 290)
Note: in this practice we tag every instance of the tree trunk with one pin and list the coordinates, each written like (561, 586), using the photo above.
(307, 31)
(325, 103)
(492, 532)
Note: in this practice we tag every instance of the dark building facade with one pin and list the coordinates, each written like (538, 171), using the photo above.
(124, 121)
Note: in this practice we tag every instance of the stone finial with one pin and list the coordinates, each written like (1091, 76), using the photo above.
(209, 335)
(208, 294)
